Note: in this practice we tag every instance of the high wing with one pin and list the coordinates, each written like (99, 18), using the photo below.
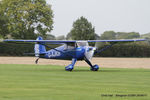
(123, 40)
(43, 41)
(73, 41)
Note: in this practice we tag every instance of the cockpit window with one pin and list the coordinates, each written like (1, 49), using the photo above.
(82, 43)
(69, 46)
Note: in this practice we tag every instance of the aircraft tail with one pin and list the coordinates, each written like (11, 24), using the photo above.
(39, 48)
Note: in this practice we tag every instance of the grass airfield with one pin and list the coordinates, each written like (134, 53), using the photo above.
(49, 82)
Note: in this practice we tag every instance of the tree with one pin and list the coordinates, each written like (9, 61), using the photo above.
(129, 35)
(119, 35)
(69, 36)
(108, 35)
(61, 37)
(3, 26)
(147, 36)
(27, 18)
(50, 37)
(82, 30)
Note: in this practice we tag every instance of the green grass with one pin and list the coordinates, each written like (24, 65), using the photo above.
(47, 82)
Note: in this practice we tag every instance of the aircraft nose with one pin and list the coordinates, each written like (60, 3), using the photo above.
(91, 48)
(89, 52)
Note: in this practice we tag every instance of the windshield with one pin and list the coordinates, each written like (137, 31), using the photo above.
(82, 43)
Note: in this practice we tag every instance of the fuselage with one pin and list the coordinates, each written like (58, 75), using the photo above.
(62, 52)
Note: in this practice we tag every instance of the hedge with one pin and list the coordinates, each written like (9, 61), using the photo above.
(126, 50)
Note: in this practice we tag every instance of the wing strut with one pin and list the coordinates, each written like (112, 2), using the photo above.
(103, 49)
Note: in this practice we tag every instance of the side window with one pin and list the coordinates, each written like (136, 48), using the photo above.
(65, 46)
(69, 46)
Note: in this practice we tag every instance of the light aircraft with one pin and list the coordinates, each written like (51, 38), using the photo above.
(69, 50)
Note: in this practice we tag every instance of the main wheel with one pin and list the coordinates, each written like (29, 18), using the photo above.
(95, 68)
(69, 68)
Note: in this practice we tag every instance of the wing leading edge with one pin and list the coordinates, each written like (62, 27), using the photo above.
(42, 41)
(73, 41)
(123, 40)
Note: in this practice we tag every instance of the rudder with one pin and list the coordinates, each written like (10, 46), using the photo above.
(39, 48)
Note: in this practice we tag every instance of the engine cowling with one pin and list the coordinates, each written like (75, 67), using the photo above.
(89, 52)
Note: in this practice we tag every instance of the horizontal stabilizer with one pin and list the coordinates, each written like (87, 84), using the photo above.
(43, 53)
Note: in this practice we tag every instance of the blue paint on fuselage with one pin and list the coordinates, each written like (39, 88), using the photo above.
(62, 53)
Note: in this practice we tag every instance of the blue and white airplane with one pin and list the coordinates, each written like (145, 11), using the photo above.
(70, 50)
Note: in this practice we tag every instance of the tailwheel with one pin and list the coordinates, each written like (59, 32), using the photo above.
(95, 68)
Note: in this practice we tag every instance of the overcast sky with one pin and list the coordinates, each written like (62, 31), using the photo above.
(117, 15)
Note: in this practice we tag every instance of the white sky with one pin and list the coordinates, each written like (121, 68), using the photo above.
(117, 15)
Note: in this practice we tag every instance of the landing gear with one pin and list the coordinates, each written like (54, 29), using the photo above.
(36, 61)
(93, 68)
(71, 66)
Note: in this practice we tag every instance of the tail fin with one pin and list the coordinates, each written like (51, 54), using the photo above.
(39, 48)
